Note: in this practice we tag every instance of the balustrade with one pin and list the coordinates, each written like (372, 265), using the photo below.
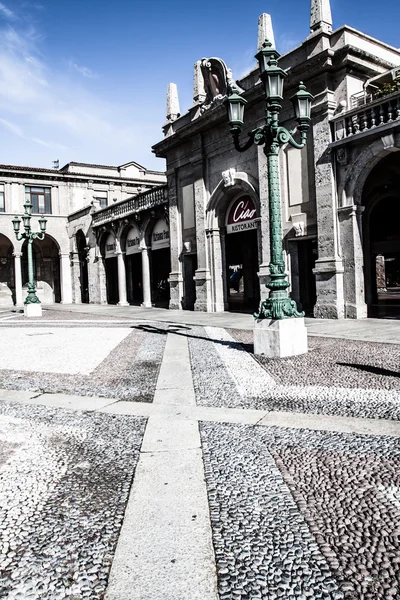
(367, 117)
(144, 201)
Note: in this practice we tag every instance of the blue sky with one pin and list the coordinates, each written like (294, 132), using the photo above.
(85, 80)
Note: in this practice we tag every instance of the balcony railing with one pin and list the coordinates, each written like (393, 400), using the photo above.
(367, 117)
(144, 201)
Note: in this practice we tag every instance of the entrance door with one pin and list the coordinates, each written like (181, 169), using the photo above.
(133, 263)
(385, 259)
(241, 269)
(160, 270)
(189, 270)
(307, 255)
(111, 266)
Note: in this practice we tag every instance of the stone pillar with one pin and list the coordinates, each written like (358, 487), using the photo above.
(66, 284)
(102, 279)
(380, 273)
(19, 300)
(328, 267)
(146, 278)
(175, 235)
(202, 275)
(351, 242)
(218, 303)
(121, 277)
(76, 278)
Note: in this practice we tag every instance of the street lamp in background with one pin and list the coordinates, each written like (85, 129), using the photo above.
(279, 330)
(32, 304)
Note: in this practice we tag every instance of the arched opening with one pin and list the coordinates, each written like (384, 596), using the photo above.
(83, 266)
(381, 198)
(241, 255)
(111, 268)
(46, 269)
(133, 266)
(7, 277)
(160, 263)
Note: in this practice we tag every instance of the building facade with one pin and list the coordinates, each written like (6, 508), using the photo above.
(66, 262)
(340, 195)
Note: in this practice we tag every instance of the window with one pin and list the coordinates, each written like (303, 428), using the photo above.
(101, 198)
(2, 205)
(40, 198)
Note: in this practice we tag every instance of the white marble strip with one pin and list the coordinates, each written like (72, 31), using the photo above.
(165, 546)
(250, 378)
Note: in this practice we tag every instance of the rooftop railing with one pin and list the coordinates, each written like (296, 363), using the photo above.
(367, 116)
(144, 201)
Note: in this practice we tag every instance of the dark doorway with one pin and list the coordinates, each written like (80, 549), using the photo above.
(83, 266)
(307, 255)
(111, 267)
(189, 285)
(46, 269)
(384, 235)
(134, 285)
(160, 270)
(241, 269)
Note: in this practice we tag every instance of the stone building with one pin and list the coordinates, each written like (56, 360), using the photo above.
(71, 262)
(340, 194)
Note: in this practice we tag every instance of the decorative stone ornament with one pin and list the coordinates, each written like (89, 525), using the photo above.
(229, 177)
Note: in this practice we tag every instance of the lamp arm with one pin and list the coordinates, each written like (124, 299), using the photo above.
(235, 131)
(285, 136)
(20, 236)
(38, 236)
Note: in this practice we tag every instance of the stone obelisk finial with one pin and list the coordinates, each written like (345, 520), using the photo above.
(199, 94)
(265, 31)
(321, 16)
(173, 111)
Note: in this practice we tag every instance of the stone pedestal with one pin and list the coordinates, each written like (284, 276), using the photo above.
(33, 310)
(280, 338)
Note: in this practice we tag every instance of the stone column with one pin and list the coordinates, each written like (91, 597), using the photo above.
(146, 282)
(351, 242)
(102, 279)
(380, 273)
(76, 278)
(218, 303)
(66, 284)
(202, 275)
(19, 300)
(329, 266)
(175, 235)
(121, 277)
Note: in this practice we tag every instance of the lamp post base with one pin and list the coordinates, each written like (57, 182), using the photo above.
(33, 309)
(278, 338)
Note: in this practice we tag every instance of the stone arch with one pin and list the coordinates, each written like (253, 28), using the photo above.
(224, 194)
(7, 272)
(381, 241)
(232, 186)
(46, 254)
(357, 175)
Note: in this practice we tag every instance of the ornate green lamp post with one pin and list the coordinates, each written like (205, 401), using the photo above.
(32, 303)
(272, 136)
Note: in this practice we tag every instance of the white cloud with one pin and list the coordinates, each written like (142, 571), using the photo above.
(6, 12)
(85, 71)
(59, 109)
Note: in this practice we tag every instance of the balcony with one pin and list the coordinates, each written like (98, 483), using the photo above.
(131, 206)
(367, 116)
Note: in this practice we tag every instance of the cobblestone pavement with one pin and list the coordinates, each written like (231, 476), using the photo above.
(325, 381)
(297, 514)
(128, 372)
(65, 479)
